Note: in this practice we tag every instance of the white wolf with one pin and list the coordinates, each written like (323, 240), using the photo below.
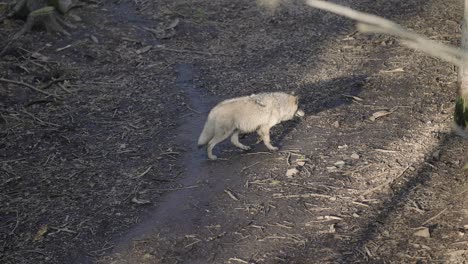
(258, 112)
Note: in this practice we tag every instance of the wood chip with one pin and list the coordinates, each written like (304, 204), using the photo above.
(379, 114)
(138, 201)
(231, 194)
(423, 232)
(393, 71)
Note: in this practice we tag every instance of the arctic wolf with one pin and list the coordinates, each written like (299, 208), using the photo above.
(257, 112)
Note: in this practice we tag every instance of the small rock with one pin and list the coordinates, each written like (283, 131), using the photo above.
(291, 172)
(332, 169)
(75, 18)
(94, 39)
(355, 156)
(340, 164)
(423, 232)
(436, 155)
(343, 147)
(336, 124)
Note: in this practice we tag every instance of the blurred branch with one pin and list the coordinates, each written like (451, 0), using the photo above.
(374, 24)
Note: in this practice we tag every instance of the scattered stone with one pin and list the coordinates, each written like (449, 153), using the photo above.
(291, 172)
(340, 164)
(343, 147)
(336, 124)
(355, 156)
(423, 232)
(94, 39)
(332, 169)
(76, 18)
(436, 155)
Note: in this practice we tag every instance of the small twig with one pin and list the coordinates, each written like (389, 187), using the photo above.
(29, 86)
(378, 187)
(144, 173)
(193, 110)
(307, 195)
(191, 51)
(385, 151)
(16, 225)
(63, 88)
(39, 120)
(247, 167)
(169, 153)
(64, 229)
(101, 250)
(238, 260)
(45, 86)
(256, 153)
(231, 194)
(175, 189)
(287, 159)
(434, 217)
(193, 243)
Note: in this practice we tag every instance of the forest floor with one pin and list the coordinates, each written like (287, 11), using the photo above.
(102, 165)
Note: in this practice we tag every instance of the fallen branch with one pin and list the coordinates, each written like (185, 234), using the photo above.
(29, 86)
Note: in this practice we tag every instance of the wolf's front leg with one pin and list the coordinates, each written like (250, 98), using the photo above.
(264, 133)
(235, 141)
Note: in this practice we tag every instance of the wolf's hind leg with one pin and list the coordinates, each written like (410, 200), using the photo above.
(264, 133)
(235, 141)
(219, 136)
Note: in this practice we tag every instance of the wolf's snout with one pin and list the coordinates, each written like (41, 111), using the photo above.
(299, 113)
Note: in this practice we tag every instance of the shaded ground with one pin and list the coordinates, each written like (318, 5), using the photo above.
(137, 81)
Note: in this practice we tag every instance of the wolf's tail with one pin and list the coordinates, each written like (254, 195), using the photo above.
(207, 133)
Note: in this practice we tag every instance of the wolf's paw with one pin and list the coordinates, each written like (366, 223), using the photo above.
(213, 157)
(273, 148)
(245, 147)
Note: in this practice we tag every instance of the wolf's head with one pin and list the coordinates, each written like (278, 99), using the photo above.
(292, 107)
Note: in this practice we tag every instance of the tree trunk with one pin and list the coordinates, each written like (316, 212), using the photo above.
(461, 104)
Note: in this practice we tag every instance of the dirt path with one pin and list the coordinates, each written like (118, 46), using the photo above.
(138, 101)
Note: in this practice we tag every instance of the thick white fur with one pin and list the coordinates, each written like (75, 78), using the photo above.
(258, 112)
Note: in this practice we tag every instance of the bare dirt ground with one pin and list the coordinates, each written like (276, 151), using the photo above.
(104, 168)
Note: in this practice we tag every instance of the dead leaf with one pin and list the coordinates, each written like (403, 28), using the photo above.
(94, 39)
(173, 24)
(39, 56)
(144, 49)
(41, 232)
(379, 114)
(138, 201)
(275, 182)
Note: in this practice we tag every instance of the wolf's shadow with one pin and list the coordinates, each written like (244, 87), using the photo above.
(317, 97)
